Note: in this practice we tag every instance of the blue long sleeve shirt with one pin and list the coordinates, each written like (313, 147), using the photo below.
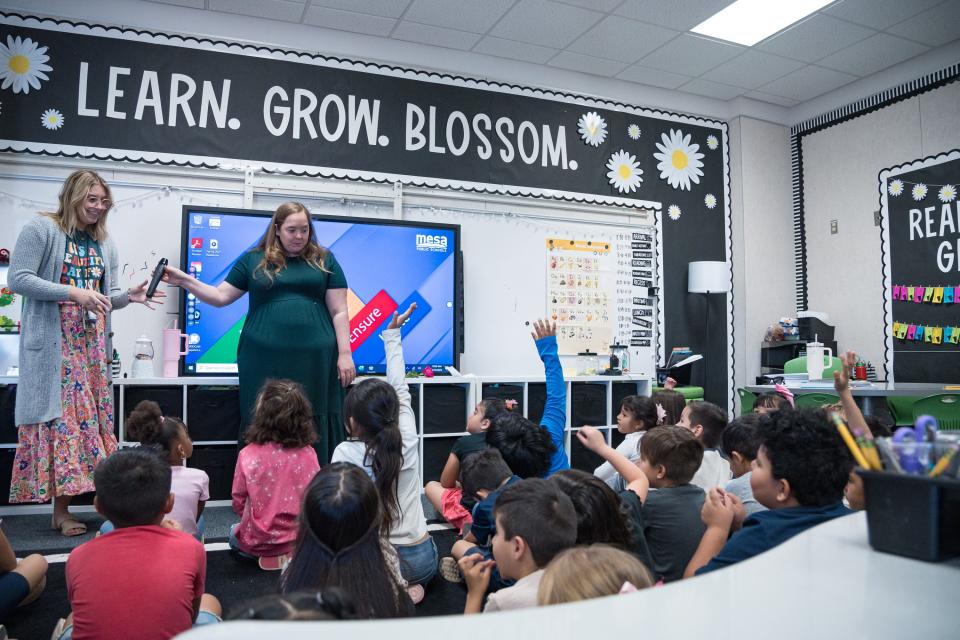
(554, 418)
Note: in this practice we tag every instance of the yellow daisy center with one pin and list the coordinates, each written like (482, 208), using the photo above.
(679, 159)
(19, 64)
(625, 171)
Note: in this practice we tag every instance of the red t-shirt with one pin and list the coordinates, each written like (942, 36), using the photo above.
(135, 582)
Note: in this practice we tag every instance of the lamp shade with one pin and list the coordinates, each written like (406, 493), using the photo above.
(708, 277)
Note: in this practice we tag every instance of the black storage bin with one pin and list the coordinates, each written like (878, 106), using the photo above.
(581, 457)
(219, 462)
(536, 400)
(815, 329)
(8, 425)
(415, 400)
(913, 516)
(588, 404)
(435, 454)
(170, 399)
(504, 391)
(618, 392)
(213, 413)
(447, 412)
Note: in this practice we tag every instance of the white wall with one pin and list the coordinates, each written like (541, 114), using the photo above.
(762, 237)
(840, 169)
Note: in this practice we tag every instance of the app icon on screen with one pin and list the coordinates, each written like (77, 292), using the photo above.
(196, 267)
(196, 243)
(213, 244)
(194, 338)
(198, 220)
(214, 223)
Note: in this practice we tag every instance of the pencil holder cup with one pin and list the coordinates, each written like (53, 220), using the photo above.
(912, 516)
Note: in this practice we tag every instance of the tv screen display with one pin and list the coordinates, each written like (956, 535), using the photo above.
(388, 265)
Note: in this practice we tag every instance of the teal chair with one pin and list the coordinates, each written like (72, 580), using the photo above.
(799, 365)
(815, 400)
(747, 400)
(901, 409)
(945, 407)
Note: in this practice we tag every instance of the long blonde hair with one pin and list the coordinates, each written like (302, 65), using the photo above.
(582, 573)
(274, 259)
(72, 198)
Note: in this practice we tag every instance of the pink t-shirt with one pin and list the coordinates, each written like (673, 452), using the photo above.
(189, 486)
(268, 484)
(135, 582)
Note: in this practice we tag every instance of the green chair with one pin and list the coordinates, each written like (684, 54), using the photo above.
(815, 400)
(689, 393)
(945, 407)
(747, 400)
(901, 409)
(799, 365)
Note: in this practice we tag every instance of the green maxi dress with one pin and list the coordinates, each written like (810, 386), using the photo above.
(288, 333)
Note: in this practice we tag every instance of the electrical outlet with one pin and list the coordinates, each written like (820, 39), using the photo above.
(876, 218)
(833, 227)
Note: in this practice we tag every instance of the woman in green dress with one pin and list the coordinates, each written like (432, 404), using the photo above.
(297, 326)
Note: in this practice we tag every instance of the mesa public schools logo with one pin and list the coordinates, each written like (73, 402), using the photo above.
(431, 243)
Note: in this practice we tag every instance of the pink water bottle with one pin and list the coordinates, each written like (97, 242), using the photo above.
(172, 340)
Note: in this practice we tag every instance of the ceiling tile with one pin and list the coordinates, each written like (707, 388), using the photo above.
(873, 54)
(934, 27)
(653, 77)
(710, 89)
(476, 16)
(435, 36)
(619, 38)
(878, 14)
(766, 97)
(287, 10)
(691, 55)
(385, 8)
(514, 50)
(818, 36)
(808, 82)
(545, 23)
(752, 69)
(587, 64)
(598, 5)
(681, 16)
(348, 21)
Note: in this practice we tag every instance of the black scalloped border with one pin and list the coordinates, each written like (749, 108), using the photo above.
(904, 167)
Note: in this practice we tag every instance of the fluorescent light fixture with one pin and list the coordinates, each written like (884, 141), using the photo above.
(747, 22)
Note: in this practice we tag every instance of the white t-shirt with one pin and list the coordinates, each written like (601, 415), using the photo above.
(630, 449)
(714, 471)
(188, 486)
(412, 524)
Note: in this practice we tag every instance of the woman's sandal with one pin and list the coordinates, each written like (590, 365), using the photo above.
(69, 527)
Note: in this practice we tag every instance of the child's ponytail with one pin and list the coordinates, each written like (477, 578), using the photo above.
(147, 425)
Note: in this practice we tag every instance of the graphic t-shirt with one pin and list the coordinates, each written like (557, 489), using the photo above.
(82, 262)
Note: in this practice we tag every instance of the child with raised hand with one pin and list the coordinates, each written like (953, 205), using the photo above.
(599, 570)
(529, 449)
(147, 425)
(383, 440)
(741, 440)
(637, 415)
(851, 413)
(534, 522)
(799, 475)
(142, 580)
(669, 456)
(707, 421)
(446, 495)
(669, 405)
(272, 472)
(340, 544)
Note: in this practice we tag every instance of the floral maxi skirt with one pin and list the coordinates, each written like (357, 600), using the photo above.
(57, 458)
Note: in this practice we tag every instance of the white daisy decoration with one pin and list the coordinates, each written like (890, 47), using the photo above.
(919, 191)
(674, 212)
(947, 193)
(712, 143)
(22, 64)
(52, 119)
(710, 201)
(592, 128)
(624, 172)
(634, 131)
(679, 160)
(895, 188)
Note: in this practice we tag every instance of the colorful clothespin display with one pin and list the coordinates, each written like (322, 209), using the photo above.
(947, 332)
(911, 291)
(927, 294)
(918, 334)
(955, 336)
(937, 335)
(912, 332)
(937, 295)
(948, 295)
(918, 294)
(956, 295)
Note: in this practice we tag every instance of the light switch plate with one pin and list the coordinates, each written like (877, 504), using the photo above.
(833, 227)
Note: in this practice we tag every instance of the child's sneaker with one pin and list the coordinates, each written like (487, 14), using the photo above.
(274, 563)
(450, 570)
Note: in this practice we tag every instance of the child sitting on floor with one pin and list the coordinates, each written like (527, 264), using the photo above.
(740, 440)
(707, 421)
(669, 404)
(272, 472)
(669, 456)
(534, 522)
(21, 581)
(191, 487)
(589, 572)
(637, 415)
(799, 475)
(142, 580)
(772, 401)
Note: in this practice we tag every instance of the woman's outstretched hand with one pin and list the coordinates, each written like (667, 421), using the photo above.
(139, 294)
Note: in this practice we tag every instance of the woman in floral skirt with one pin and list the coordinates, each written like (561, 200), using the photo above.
(65, 267)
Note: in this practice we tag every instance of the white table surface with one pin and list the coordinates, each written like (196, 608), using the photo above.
(824, 583)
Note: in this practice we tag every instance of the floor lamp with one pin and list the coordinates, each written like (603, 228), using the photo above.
(708, 277)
